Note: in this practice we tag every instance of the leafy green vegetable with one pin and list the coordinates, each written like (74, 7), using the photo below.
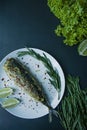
(73, 19)
(51, 71)
(73, 109)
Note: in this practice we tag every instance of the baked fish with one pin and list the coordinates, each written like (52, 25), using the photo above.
(24, 79)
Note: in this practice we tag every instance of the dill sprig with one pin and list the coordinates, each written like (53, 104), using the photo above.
(51, 71)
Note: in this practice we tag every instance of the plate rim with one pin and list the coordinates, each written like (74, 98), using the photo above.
(42, 51)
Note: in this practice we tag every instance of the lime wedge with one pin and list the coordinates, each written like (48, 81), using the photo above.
(4, 92)
(10, 102)
(82, 48)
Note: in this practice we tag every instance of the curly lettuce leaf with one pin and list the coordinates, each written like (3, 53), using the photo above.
(73, 19)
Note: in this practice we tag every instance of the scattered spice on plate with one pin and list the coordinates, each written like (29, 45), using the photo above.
(5, 85)
(36, 103)
(38, 66)
(30, 100)
(45, 73)
(31, 105)
(19, 93)
(49, 89)
(44, 77)
(2, 79)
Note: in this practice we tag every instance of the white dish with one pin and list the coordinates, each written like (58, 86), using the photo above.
(28, 107)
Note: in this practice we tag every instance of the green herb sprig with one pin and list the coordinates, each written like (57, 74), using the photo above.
(51, 71)
(73, 109)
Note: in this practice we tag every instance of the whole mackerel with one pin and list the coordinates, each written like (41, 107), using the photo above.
(24, 79)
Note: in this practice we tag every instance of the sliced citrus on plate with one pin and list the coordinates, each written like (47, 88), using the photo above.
(10, 102)
(4, 92)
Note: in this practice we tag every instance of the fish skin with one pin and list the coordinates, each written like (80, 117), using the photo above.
(23, 78)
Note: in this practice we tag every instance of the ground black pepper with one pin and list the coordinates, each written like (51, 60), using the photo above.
(2, 79)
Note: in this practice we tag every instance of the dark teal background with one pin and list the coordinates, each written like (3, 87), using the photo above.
(30, 22)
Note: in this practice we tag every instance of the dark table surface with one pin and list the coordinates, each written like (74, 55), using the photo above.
(30, 22)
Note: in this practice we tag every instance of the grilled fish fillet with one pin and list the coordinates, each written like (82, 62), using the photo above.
(23, 78)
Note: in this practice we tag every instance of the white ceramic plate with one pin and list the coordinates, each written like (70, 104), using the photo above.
(29, 108)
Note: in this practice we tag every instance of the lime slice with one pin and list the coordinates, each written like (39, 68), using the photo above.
(10, 102)
(82, 48)
(4, 92)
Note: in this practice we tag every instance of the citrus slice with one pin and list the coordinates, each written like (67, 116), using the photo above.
(4, 92)
(82, 48)
(10, 102)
